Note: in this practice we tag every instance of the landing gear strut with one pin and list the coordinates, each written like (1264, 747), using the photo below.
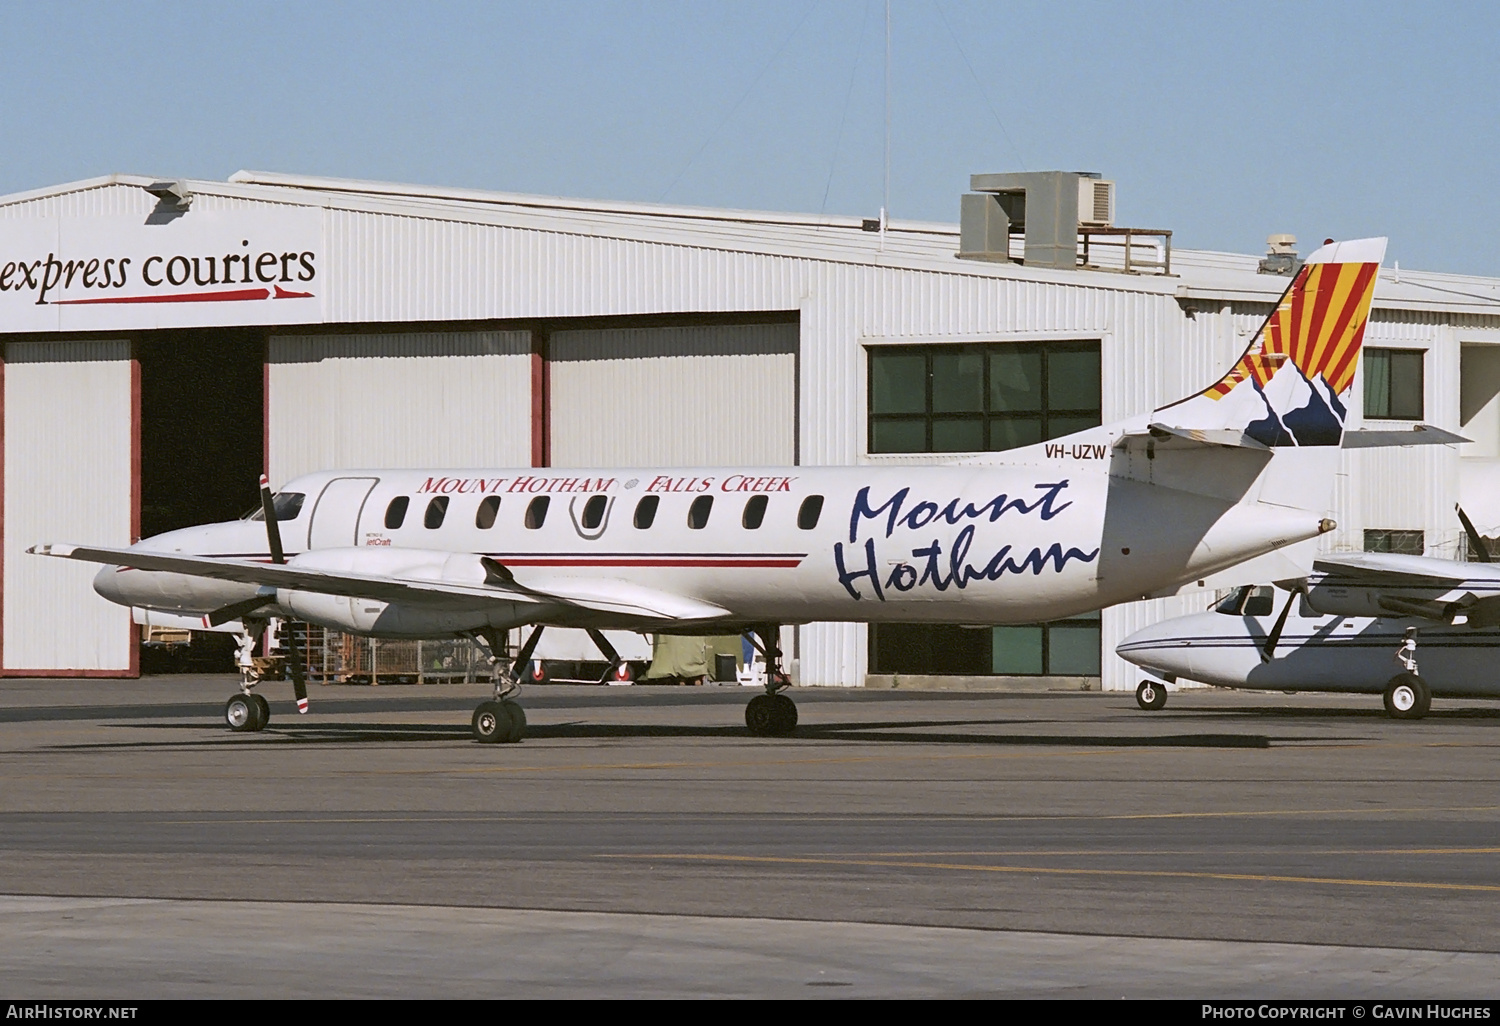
(1407, 696)
(502, 720)
(771, 714)
(248, 712)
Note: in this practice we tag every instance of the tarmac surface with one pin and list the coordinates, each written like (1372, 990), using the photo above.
(640, 843)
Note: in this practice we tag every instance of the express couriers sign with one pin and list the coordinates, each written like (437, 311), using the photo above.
(205, 267)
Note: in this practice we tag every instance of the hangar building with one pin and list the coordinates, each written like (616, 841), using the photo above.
(165, 341)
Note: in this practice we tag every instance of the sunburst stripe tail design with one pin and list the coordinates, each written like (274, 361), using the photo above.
(1318, 325)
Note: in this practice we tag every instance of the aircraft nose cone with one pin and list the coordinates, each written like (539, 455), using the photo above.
(105, 584)
(1160, 647)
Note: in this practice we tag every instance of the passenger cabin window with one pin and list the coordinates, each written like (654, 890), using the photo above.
(699, 510)
(812, 509)
(755, 512)
(645, 511)
(436, 510)
(536, 512)
(395, 513)
(593, 512)
(484, 519)
(286, 504)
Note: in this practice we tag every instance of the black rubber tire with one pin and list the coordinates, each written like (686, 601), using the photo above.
(760, 716)
(241, 714)
(517, 722)
(1150, 695)
(491, 722)
(786, 716)
(1407, 697)
(263, 708)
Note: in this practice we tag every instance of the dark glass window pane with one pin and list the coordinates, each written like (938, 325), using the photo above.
(1012, 434)
(1073, 649)
(958, 435)
(645, 511)
(1378, 383)
(898, 436)
(593, 512)
(1015, 381)
(755, 512)
(807, 515)
(287, 505)
(1406, 385)
(484, 519)
(536, 512)
(1073, 380)
(1016, 650)
(1406, 543)
(1059, 426)
(898, 383)
(1261, 601)
(395, 513)
(958, 382)
(436, 510)
(698, 512)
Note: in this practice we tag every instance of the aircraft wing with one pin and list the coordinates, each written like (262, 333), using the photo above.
(1377, 568)
(609, 596)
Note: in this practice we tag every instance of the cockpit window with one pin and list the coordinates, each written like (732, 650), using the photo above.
(1249, 601)
(286, 504)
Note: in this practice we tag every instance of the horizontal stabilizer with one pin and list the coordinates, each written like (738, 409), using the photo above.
(1167, 436)
(1419, 434)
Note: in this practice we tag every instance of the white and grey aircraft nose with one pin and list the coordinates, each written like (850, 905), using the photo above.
(1164, 648)
(106, 583)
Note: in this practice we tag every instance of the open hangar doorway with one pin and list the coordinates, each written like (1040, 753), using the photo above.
(202, 448)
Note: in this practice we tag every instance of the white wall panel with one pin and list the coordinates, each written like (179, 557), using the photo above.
(460, 399)
(715, 395)
(68, 440)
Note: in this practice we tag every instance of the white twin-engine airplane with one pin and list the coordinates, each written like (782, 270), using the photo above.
(1111, 514)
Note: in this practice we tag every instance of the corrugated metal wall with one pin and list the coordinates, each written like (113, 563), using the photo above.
(68, 455)
(456, 399)
(717, 395)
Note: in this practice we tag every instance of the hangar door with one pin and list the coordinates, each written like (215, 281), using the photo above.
(674, 396)
(420, 399)
(70, 447)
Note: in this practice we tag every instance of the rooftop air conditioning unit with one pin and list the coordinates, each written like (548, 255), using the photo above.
(1096, 202)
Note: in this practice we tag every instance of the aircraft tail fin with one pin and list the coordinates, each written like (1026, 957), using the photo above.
(1291, 387)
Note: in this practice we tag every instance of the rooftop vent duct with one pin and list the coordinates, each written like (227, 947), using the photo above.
(1047, 205)
(171, 194)
(1281, 255)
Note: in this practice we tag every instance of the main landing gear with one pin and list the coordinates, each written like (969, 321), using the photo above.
(1407, 696)
(248, 712)
(502, 720)
(771, 714)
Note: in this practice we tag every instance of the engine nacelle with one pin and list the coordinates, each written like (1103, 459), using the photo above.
(441, 616)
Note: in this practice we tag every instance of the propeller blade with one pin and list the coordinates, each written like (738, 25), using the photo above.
(1269, 652)
(299, 675)
(235, 610)
(273, 529)
(1481, 550)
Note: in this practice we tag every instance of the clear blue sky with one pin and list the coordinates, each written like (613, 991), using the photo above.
(1223, 122)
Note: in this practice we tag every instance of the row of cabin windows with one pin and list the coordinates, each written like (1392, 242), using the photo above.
(593, 512)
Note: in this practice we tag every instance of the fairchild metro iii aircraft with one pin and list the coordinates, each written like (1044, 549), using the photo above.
(1355, 630)
(1110, 514)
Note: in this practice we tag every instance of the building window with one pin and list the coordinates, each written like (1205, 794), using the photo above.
(976, 398)
(1406, 543)
(1061, 648)
(1393, 384)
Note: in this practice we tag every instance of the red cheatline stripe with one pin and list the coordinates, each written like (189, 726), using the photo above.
(558, 561)
(231, 296)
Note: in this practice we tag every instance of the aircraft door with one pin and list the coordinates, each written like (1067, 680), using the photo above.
(335, 518)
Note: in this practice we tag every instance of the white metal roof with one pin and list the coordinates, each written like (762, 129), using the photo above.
(916, 245)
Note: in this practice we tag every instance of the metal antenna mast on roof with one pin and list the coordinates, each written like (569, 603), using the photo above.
(885, 199)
